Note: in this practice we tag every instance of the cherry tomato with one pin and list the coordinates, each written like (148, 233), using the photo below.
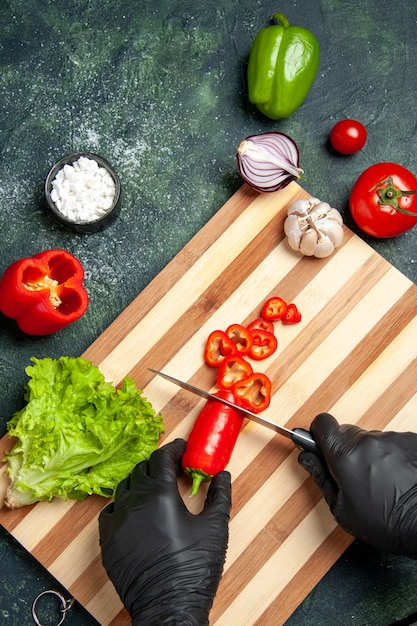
(383, 201)
(348, 136)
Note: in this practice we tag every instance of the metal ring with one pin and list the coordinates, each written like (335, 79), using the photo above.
(65, 605)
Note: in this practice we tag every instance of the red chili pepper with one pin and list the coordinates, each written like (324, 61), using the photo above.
(254, 392)
(232, 369)
(44, 293)
(264, 344)
(240, 336)
(292, 316)
(218, 347)
(261, 324)
(274, 308)
(212, 439)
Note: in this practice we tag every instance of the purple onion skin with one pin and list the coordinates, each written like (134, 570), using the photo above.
(263, 174)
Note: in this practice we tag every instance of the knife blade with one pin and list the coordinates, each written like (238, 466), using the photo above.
(300, 437)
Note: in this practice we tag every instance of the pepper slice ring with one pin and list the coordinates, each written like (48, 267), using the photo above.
(65, 605)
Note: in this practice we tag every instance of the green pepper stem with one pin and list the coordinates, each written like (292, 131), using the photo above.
(279, 17)
(198, 477)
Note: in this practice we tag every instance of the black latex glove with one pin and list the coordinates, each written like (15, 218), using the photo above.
(369, 480)
(165, 562)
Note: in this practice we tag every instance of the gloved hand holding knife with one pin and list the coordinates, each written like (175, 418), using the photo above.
(369, 481)
(166, 563)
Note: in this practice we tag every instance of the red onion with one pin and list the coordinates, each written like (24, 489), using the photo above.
(269, 161)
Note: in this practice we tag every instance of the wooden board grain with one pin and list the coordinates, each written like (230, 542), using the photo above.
(353, 354)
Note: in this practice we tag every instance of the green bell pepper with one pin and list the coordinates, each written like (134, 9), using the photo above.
(283, 63)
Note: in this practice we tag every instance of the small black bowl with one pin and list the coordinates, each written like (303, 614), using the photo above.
(96, 223)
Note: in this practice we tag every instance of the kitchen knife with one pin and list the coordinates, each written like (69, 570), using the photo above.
(300, 437)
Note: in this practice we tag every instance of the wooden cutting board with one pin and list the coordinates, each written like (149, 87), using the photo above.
(353, 354)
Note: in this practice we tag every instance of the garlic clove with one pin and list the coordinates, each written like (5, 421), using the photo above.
(334, 213)
(320, 211)
(308, 242)
(293, 231)
(302, 207)
(335, 232)
(324, 247)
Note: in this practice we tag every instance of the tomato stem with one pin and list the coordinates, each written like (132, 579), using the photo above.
(390, 194)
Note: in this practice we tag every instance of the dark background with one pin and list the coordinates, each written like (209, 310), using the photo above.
(158, 87)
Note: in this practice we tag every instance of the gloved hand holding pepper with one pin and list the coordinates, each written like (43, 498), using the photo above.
(165, 562)
(369, 480)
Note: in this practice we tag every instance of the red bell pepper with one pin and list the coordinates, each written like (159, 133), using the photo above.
(232, 369)
(261, 324)
(211, 440)
(274, 308)
(218, 347)
(254, 392)
(292, 316)
(44, 293)
(264, 344)
(241, 337)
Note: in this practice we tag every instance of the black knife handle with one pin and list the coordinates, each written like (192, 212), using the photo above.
(303, 439)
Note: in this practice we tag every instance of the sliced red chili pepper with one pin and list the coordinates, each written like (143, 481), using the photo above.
(274, 308)
(218, 346)
(261, 324)
(233, 369)
(264, 344)
(212, 439)
(240, 336)
(44, 293)
(292, 316)
(254, 392)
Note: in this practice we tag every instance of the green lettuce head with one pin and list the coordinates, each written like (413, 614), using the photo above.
(77, 434)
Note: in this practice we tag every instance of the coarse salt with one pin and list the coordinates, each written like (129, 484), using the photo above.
(83, 191)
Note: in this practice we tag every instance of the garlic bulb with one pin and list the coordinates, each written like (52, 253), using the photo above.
(313, 227)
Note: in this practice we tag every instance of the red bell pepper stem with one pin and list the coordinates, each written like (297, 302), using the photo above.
(44, 293)
(211, 440)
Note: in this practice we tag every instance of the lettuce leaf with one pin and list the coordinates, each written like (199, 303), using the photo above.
(77, 434)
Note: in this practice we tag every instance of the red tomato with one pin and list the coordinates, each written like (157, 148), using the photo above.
(348, 136)
(383, 201)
